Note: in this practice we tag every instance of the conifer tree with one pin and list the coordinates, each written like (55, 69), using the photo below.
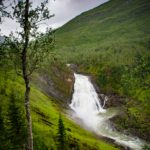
(16, 124)
(61, 137)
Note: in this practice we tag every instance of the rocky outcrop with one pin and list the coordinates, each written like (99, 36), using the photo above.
(57, 83)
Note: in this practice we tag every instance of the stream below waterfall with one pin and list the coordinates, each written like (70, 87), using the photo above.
(87, 107)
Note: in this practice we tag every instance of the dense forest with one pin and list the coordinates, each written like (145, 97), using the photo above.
(110, 43)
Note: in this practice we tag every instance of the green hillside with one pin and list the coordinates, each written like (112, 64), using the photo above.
(45, 115)
(112, 43)
(119, 28)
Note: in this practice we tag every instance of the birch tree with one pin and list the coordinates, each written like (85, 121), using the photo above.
(29, 46)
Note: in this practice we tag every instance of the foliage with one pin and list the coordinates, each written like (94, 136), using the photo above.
(29, 18)
(16, 125)
(112, 43)
(3, 10)
(12, 115)
(45, 115)
(146, 147)
(2, 129)
(61, 137)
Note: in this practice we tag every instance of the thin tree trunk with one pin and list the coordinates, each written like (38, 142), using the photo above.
(28, 115)
(26, 78)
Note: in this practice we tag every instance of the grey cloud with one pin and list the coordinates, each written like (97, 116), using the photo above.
(64, 11)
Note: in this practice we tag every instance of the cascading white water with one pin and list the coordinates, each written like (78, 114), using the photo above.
(86, 105)
(85, 101)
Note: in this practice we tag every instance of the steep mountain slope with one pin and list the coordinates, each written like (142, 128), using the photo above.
(119, 26)
(45, 114)
(112, 43)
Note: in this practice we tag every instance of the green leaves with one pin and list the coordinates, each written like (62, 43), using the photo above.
(61, 137)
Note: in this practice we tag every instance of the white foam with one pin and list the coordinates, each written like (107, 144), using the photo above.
(87, 106)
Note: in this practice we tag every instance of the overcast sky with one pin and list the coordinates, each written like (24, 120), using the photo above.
(64, 10)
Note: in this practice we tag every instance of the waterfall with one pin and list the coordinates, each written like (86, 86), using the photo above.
(87, 106)
(85, 101)
(105, 100)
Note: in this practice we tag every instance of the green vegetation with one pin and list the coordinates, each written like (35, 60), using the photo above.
(45, 115)
(16, 125)
(12, 118)
(112, 43)
(26, 46)
(61, 135)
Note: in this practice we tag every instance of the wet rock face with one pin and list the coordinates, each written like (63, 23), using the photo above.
(115, 101)
(47, 85)
(109, 100)
(73, 67)
(57, 83)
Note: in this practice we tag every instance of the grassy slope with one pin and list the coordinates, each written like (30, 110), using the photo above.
(112, 42)
(110, 35)
(45, 114)
(118, 29)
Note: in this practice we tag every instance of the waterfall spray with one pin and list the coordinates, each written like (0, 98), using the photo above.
(87, 106)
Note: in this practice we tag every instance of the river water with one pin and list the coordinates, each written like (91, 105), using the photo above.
(87, 107)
